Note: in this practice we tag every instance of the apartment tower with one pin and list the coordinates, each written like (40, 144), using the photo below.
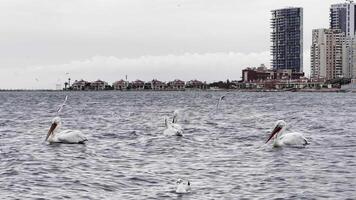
(287, 39)
(342, 17)
(327, 53)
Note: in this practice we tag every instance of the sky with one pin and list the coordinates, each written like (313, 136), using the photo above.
(44, 42)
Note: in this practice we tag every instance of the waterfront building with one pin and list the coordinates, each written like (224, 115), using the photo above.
(176, 85)
(269, 79)
(327, 54)
(138, 85)
(287, 39)
(158, 85)
(120, 85)
(263, 74)
(148, 85)
(251, 75)
(98, 85)
(80, 85)
(196, 84)
(350, 87)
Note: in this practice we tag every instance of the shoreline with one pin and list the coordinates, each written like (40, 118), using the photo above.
(331, 90)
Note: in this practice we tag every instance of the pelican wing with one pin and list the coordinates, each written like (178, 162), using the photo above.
(177, 126)
(173, 129)
(294, 139)
(71, 136)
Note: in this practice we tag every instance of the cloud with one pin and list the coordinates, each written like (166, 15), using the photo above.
(207, 67)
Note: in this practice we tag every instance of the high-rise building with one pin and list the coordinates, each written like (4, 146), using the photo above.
(349, 57)
(353, 70)
(287, 39)
(342, 16)
(327, 53)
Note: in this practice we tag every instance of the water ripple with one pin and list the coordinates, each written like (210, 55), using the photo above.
(221, 152)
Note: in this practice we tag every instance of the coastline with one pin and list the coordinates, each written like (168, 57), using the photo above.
(324, 90)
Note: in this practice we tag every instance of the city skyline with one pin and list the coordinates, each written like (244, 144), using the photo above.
(333, 51)
(43, 43)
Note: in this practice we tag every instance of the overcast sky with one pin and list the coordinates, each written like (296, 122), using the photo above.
(42, 40)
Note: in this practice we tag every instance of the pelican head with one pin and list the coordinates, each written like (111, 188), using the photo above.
(56, 122)
(179, 181)
(279, 128)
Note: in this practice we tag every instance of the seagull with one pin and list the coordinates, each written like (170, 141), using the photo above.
(182, 186)
(286, 139)
(172, 128)
(65, 136)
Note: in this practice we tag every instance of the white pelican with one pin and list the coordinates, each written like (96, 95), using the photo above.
(172, 128)
(66, 136)
(284, 139)
(182, 186)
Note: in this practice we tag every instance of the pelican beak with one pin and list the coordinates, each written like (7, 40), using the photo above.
(50, 131)
(274, 132)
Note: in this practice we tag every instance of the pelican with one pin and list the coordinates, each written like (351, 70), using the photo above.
(66, 136)
(286, 139)
(172, 128)
(182, 186)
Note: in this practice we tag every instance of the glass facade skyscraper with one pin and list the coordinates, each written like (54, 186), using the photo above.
(287, 39)
(342, 17)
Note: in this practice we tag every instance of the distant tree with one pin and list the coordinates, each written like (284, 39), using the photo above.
(339, 81)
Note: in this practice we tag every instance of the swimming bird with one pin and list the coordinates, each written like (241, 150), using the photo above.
(286, 139)
(65, 136)
(172, 128)
(182, 186)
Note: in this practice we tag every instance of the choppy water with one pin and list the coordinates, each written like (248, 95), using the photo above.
(127, 156)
